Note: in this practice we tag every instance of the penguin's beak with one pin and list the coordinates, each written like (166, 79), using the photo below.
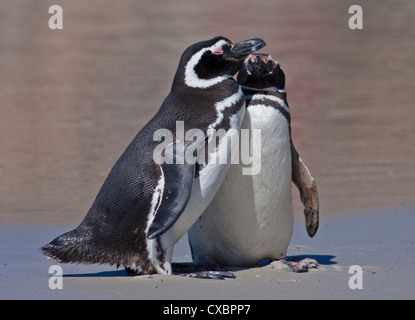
(260, 63)
(268, 62)
(243, 48)
(250, 63)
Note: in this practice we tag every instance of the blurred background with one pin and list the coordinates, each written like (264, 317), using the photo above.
(71, 100)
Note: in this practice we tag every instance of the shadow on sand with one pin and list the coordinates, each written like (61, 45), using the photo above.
(113, 273)
(184, 267)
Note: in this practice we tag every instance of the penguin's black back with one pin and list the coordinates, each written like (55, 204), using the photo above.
(112, 232)
(120, 207)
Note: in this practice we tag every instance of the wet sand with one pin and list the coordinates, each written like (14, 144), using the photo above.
(72, 100)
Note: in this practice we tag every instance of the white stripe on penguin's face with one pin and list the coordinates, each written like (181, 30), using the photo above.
(190, 76)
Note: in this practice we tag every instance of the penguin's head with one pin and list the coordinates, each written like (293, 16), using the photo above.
(209, 62)
(261, 71)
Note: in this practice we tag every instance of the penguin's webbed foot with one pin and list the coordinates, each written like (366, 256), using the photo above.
(220, 275)
(205, 271)
(298, 266)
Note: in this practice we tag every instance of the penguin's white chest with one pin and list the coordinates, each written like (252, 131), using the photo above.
(251, 216)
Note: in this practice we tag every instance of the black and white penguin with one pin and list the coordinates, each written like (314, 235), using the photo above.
(251, 217)
(145, 206)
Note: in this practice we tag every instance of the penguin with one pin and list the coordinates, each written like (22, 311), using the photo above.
(251, 217)
(146, 205)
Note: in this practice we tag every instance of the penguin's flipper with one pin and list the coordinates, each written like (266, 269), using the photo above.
(307, 186)
(178, 183)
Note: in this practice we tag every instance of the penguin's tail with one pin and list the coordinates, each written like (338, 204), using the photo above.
(69, 247)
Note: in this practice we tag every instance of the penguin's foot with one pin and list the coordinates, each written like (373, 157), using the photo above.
(205, 271)
(294, 265)
(220, 275)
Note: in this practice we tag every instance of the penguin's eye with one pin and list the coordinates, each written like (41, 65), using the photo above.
(218, 51)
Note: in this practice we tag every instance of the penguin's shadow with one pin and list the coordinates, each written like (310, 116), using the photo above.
(321, 260)
(112, 273)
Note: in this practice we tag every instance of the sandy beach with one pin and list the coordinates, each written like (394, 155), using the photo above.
(382, 243)
(72, 100)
